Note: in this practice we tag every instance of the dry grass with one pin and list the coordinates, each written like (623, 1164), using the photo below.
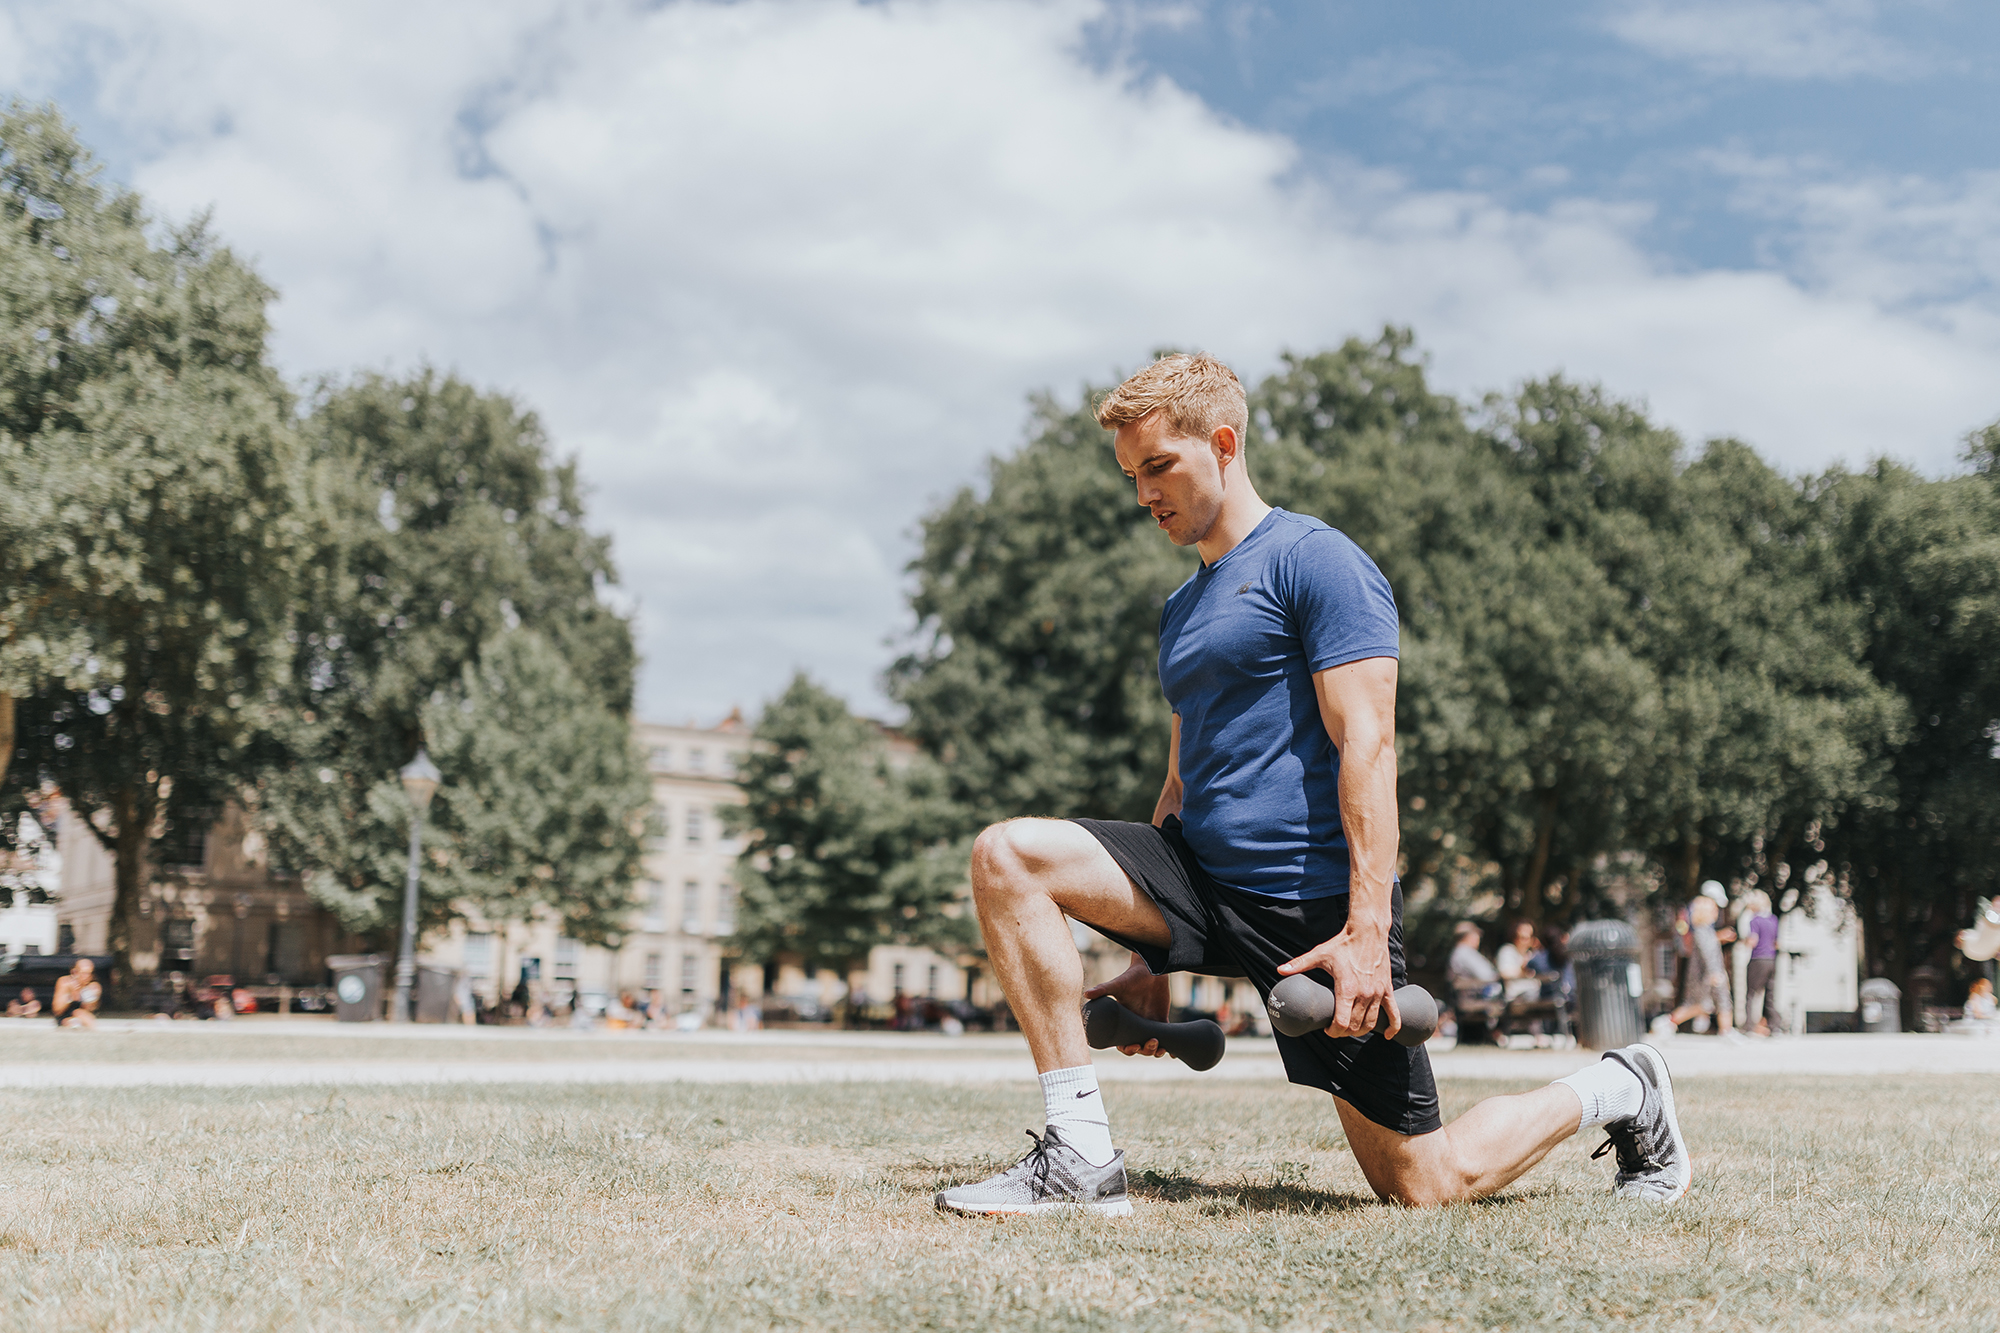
(1819, 1203)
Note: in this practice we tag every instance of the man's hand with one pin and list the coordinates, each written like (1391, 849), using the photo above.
(1358, 961)
(1143, 993)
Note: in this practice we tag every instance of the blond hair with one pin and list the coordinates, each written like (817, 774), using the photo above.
(1198, 394)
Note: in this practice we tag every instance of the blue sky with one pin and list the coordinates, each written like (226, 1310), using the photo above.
(1646, 104)
(782, 273)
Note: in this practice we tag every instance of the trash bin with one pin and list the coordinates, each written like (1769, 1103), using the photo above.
(1606, 954)
(437, 989)
(357, 987)
(1881, 1006)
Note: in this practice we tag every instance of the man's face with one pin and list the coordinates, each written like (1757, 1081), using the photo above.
(84, 967)
(1179, 479)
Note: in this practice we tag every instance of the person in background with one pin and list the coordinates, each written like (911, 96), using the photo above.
(1708, 976)
(1516, 962)
(1468, 969)
(25, 1007)
(1760, 994)
(77, 994)
(1979, 1003)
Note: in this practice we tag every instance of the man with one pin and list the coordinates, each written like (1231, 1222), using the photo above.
(1708, 990)
(1272, 851)
(76, 997)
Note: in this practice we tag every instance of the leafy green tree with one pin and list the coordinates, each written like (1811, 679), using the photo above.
(1921, 559)
(844, 847)
(152, 506)
(1520, 695)
(450, 530)
(1034, 673)
(543, 806)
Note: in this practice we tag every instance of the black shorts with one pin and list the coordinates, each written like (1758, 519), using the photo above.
(1223, 932)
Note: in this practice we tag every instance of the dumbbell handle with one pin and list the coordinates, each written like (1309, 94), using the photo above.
(1414, 1004)
(1107, 1023)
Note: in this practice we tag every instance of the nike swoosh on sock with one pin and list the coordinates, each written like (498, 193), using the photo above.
(1086, 1093)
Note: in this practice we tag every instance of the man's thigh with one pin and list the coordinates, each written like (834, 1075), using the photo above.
(1064, 861)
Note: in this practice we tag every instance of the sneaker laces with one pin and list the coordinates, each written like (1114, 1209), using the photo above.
(1039, 1157)
(1625, 1140)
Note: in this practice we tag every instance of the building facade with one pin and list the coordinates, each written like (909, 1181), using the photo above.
(212, 905)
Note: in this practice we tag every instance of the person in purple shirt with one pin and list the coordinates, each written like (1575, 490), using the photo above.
(1760, 932)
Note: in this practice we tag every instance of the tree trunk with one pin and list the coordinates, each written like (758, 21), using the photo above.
(6, 731)
(134, 816)
(1533, 893)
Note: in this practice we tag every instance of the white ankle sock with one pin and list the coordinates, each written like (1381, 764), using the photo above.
(1608, 1090)
(1075, 1106)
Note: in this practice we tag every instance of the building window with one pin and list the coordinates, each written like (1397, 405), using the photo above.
(660, 757)
(655, 965)
(930, 982)
(566, 951)
(694, 825)
(725, 908)
(697, 760)
(691, 908)
(656, 905)
(65, 938)
(479, 955)
(186, 846)
(729, 763)
(177, 938)
(897, 979)
(689, 962)
(662, 826)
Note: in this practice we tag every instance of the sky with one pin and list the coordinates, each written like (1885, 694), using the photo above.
(783, 275)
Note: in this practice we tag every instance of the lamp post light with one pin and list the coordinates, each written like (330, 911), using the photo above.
(420, 780)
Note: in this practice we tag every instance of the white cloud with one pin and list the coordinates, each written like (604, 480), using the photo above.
(1774, 39)
(783, 272)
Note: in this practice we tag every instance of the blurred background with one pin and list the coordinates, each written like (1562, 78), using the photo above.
(664, 410)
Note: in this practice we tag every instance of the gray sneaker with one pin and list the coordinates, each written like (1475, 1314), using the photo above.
(1653, 1161)
(1050, 1177)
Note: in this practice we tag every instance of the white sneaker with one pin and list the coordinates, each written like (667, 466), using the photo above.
(1053, 1176)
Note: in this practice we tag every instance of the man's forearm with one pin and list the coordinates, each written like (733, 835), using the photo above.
(1368, 819)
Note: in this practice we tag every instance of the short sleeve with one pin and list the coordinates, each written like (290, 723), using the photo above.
(1340, 604)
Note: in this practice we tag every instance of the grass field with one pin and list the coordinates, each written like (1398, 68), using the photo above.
(1818, 1203)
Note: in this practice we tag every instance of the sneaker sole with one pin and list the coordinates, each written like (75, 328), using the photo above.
(1666, 1083)
(1111, 1208)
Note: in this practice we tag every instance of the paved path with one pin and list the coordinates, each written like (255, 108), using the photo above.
(980, 1059)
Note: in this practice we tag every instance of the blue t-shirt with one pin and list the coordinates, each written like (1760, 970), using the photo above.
(1239, 643)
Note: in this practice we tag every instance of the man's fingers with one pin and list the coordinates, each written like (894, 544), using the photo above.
(1395, 1017)
(1306, 962)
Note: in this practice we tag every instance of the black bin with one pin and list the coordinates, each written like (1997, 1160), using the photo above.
(437, 993)
(1606, 954)
(1881, 1006)
(357, 987)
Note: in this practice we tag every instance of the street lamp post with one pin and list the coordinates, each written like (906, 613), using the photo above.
(420, 780)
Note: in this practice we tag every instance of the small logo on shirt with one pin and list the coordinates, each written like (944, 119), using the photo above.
(1240, 591)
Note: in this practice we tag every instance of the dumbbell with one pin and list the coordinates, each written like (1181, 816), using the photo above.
(1298, 1005)
(1107, 1023)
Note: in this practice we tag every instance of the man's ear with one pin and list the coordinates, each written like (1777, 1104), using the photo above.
(1227, 447)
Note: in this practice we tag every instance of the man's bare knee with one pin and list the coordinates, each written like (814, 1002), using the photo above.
(1003, 857)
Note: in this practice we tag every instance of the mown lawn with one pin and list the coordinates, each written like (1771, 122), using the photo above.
(1818, 1203)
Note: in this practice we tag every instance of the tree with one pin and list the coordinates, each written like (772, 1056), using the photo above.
(844, 849)
(543, 805)
(451, 532)
(151, 506)
(1921, 559)
(1034, 676)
